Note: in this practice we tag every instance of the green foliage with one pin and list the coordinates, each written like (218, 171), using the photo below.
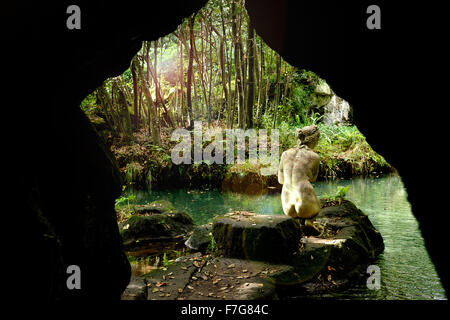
(212, 244)
(287, 137)
(341, 191)
(125, 198)
(124, 205)
(346, 146)
(339, 195)
(307, 77)
(297, 107)
(307, 120)
(181, 253)
(89, 104)
(165, 261)
(339, 147)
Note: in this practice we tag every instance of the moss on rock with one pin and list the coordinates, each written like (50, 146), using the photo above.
(259, 237)
(154, 223)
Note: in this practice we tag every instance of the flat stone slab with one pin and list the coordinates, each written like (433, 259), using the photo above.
(210, 278)
(270, 238)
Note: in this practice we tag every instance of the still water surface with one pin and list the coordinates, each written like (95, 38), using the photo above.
(406, 269)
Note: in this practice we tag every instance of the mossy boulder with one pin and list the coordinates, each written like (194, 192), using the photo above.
(341, 253)
(155, 223)
(200, 238)
(247, 179)
(347, 243)
(257, 237)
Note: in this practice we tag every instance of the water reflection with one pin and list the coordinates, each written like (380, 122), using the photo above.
(406, 269)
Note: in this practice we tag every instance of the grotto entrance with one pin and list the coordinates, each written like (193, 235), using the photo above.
(76, 221)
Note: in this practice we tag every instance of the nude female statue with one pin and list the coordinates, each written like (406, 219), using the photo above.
(299, 166)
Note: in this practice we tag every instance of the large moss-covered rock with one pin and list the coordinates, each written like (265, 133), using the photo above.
(155, 223)
(347, 244)
(250, 181)
(256, 237)
(352, 224)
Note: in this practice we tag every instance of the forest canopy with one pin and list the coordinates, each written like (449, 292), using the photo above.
(213, 68)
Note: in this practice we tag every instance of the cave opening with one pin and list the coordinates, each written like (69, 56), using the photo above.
(87, 231)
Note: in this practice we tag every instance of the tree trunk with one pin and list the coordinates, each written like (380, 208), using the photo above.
(277, 92)
(189, 72)
(261, 89)
(182, 80)
(251, 76)
(238, 66)
(125, 119)
(153, 128)
(135, 95)
(210, 71)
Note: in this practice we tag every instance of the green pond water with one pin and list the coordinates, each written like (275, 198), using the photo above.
(406, 269)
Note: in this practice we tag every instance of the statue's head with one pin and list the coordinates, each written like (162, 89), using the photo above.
(308, 136)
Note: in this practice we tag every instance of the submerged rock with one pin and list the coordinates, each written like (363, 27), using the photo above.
(153, 224)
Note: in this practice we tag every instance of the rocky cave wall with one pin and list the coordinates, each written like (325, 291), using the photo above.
(64, 180)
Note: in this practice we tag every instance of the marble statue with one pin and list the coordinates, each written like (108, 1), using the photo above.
(299, 166)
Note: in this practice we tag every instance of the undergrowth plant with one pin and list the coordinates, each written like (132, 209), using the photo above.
(124, 204)
(212, 243)
(338, 196)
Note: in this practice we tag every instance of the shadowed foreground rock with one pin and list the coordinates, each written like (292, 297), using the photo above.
(153, 224)
(291, 262)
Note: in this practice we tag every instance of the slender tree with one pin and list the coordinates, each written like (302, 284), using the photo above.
(189, 71)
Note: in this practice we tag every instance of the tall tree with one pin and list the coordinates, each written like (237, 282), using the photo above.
(251, 75)
(277, 92)
(135, 94)
(189, 71)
